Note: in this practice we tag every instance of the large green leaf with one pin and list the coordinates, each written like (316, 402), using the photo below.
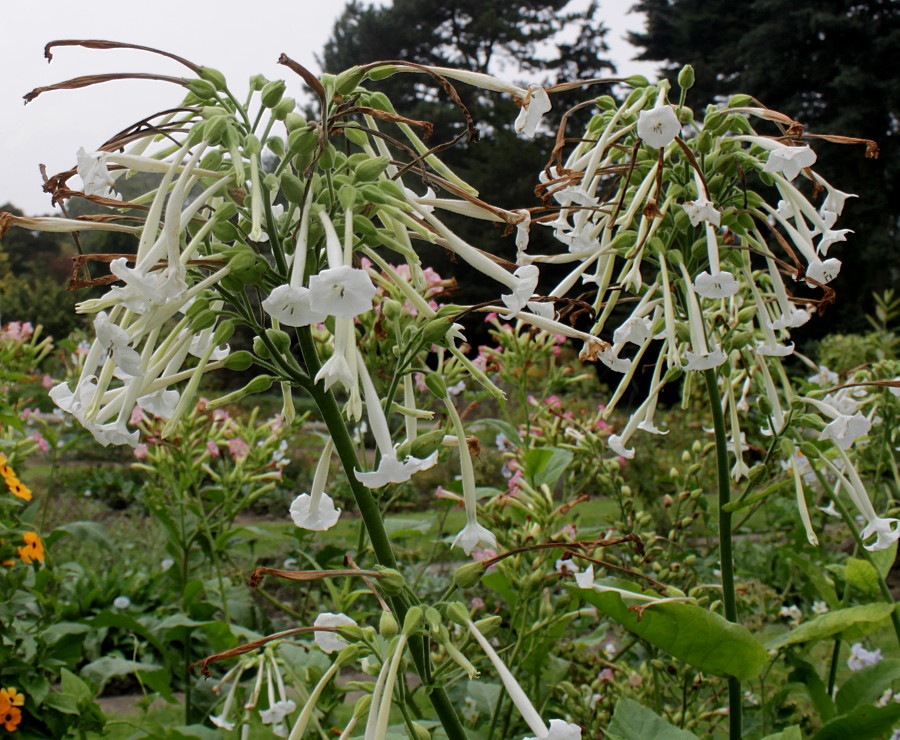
(791, 733)
(866, 722)
(867, 684)
(861, 574)
(100, 671)
(545, 465)
(832, 623)
(884, 559)
(816, 576)
(699, 637)
(633, 721)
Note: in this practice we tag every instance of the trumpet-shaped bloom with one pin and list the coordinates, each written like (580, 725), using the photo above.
(789, 160)
(720, 285)
(318, 518)
(392, 470)
(702, 209)
(341, 291)
(474, 535)
(526, 280)
(885, 531)
(328, 642)
(534, 106)
(658, 127)
(115, 339)
(845, 430)
(94, 174)
(560, 730)
(291, 305)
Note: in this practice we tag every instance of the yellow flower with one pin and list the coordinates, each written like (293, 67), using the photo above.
(10, 715)
(16, 487)
(33, 550)
(13, 697)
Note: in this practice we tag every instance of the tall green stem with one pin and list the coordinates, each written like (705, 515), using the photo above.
(726, 556)
(371, 515)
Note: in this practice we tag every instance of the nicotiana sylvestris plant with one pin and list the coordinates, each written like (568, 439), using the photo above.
(695, 246)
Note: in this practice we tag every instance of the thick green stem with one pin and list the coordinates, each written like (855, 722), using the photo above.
(371, 515)
(726, 556)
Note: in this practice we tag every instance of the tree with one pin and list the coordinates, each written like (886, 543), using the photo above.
(483, 36)
(827, 63)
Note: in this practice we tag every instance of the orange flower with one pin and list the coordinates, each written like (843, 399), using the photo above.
(16, 487)
(33, 550)
(12, 697)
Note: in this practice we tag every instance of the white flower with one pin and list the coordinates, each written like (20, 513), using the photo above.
(616, 444)
(635, 329)
(720, 285)
(791, 612)
(702, 210)
(473, 535)
(114, 338)
(291, 306)
(789, 160)
(328, 642)
(277, 712)
(94, 174)
(886, 531)
(860, 657)
(566, 567)
(659, 126)
(160, 403)
(335, 370)
(534, 106)
(560, 730)
(771, 348)
(819, 607)
(609, 356)
(526, 280)
(830, 237)
(121, 602)
(341, 291)
(704, 361)
(317, 518)
(835, 200)
(830, 510)
(845, 430)
(392, 470)
(220, 721)
(585, 579)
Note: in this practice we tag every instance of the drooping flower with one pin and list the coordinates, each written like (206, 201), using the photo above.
(534, 106)
(329, 642)
(702, 209)
(789, 160)
(315, 510)
(291, 305)
(659, 126)
(94, 174)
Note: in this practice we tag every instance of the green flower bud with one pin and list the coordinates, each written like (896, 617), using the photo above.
(686, 77)
(637, 81)
(391, 580)
(285, 106)
(294, 121)
(214, 76)
(433, 619)
(214, 129)
(203, 320)
(226, 211)
(223, 332)
(272, 92)
(489, 625)
(203, 89)
(391, 309)
(356, 135)
(436, 330)
(251, 145)
(387, 625)
(436, 384)
(302, 141)
(421, 732)
(810, 450)
(239, 361)
(261, 349)
(259, 384)
(280, 339)
(270, 181)
(348, 655)
(469, 574)
(346, 82)
(371, 168)
(392, 189)
(461, 660)
(257, 82)
(426, 444)
(200, 305)
(457, 613)
(672, 374)
(275, 144)
(413, 620)
(292, 187)
(347, 197)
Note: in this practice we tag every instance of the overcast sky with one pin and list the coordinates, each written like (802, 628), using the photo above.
(50, 129)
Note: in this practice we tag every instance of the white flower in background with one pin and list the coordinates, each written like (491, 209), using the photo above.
(860, 657)
(789, 160)
(702, 209)
(845, 430)
(534, 106)
(830, 510)
(835, 199)
(341, 291)
(566, 567)
(329, 642)
(791, 613)
(291, 305)
(819, 607)
(658, 127)
(94, 174)
(830, 237)
(885, 531)
(560, 730)
(121, 602)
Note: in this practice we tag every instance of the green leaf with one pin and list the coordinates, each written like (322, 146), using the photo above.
(867, 684)
(790, 733)
(100, 671)
(73, 686)
(485, 695)
(397, 527)
(545, 465)
(496, 581)
(633, 721)
(505, 428)
(861, 574)
(884, 559)
(57, 631)
(832, 623)
(699, 637)
(863, 723)
(814, 574)
(807, 676)
(93, 532)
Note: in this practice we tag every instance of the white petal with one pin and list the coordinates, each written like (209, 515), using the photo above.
(659, 126)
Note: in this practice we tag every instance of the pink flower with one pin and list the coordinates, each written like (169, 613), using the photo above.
(484, 553)
(238, 448)
(137, 416)
(42, 443)
(419, 380)
(26, 414)
(477, 603)
(220, 415)
(47, 382)
(606, 675)
(276, 424)
(213, 449)
(492, 316)
(140, 452)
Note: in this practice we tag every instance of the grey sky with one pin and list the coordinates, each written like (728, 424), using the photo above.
(51, 128)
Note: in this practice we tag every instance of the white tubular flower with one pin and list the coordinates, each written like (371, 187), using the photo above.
(161, 403)
(341, 291)
(316, 511)
(702, 358)
(789, 160)
(722, 284)
(473, 534)
(328, 642)
(94, 174)
(535, 104)
(526, 280)
(659, 126)
(336, 369)
(115, 339)
(523, 227)
(835, 199)
(844, 429)
(635, 329)
(830, 237)
(292, 306)
(700, 210)
(306, 713)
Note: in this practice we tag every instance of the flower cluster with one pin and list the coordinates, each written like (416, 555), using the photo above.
(10, 713)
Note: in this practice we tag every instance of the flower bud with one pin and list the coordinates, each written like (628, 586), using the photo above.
(421, 732)
(686, 77)
(436, 385)
(391, 580)
(346, 82)
(251, 145)
(270, 181)
(637, 81)
(272, 92)
(238, 361)
(347, 197)
(259, 384)
(223, 332)
(425, 444)
(810, 450)
(294, 121)
(280, 339)
(436, 330)
(203, 320)
(371, 168)
(348, 655)
(260, 349)
(433, 619)
(214, 76)
(292, 187)
(203, 89)
(489, 625)
(257, 82)
(285, 106)
(413, 620)
(387, 625)
(456, 612)
(392, 309)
